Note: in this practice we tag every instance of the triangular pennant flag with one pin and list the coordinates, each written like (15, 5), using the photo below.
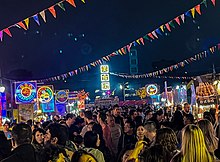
(151, 35)
(53, 11)
(172, 24)
(205, 3)
(198, 9)
(76, 72)
(83, 1)
(71, 2)
(134, 43)
(123, 50)
(158, 31)
(188, 13)
(61, 6)
(138, 41)
(146, 37)
(27, 22)
(129, 48)
(154, 34)
(36, 19)
(162, 28)
(193, 12)
(142, 40)
(93, 64)
(182, 17)
(42, 13)
(1, 35)
(213, 2)
(177, 20)
(7, 31)
(120, 52)
(21, 24)
(168, 26)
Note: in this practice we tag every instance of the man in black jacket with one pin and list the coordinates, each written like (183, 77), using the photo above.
(21, 143)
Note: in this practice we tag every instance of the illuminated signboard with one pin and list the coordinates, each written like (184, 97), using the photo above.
(25, 92)
(104, 77)
(62, 96)
(104, 69)
(152, 89)
(105, 86)
(45, 94)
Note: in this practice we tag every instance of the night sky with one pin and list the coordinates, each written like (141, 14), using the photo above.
(84, 34)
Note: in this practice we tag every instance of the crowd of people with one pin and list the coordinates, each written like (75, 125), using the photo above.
(128, 134)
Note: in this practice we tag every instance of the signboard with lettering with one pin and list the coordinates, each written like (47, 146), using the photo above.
(105, 79)
(25, 92)
(45, 97)
(62, 96)
(151, 89)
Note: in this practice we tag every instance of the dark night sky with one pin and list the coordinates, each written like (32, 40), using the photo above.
(107, 26)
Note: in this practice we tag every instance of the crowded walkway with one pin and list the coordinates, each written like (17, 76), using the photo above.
(122, 134)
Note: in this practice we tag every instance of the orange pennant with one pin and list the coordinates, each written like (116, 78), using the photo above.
(53, 11)
(123, 50)
(198, 9)
(22, 25)
(7, 31)
(71, 2)
(27, 22)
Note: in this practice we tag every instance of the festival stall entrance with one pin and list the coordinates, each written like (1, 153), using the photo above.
(206, 93)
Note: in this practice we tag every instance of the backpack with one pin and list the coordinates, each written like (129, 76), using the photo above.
(83, 156)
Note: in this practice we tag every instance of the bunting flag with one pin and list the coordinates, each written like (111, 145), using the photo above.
(53, 11)
(71, 2)
(181, 64)
(149, 76)
(24, 24)
(155, 74)
(42, 13)
(1, 35)
(150, 36)
(36, 19)
(7, 31)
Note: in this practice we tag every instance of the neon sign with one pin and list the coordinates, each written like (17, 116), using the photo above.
(25, 92)
(151, 89)
(62, 96)
(45, 94)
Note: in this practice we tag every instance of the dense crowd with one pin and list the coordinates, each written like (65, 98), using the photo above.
(127, 134)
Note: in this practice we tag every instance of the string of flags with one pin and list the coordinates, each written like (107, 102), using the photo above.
(155, 34)
(127, 76)
(25, 23)
(156, 74)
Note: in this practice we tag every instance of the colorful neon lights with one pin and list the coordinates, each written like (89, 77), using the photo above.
(25, 92)
(45, 94)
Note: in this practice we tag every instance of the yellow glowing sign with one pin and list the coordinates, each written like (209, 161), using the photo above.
(105, 86)
(104, 77)
(104, 68)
